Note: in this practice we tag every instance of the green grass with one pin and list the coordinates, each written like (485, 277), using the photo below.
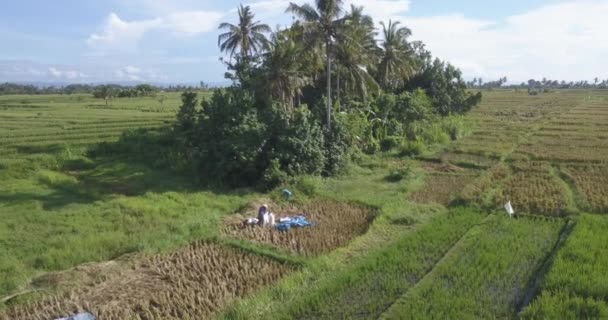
(53, 220)
(485, 276)
(59, 208)
(28, 124)
(577, 277)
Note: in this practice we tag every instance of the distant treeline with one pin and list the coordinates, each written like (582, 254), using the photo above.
(120, 90)
(533, 84)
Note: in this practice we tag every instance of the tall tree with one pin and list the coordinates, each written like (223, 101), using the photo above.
(321, 25)
(355, 51)
(397, 63)
(248, 36)
(284, 71)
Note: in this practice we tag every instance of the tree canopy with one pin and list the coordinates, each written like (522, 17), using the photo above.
(279, 119)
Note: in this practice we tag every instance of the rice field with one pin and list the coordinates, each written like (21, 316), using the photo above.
(591, 185)
(441, 188)
(190, 283)
(436, 244)
(535, 190)
(362, 288)
(33, 124)
(576, 286)
(504, 253)
(335, 224)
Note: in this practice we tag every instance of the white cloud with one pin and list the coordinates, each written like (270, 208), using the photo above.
(132, 73)
(123, 36)
(380, 9)
(66, 74)
(192, 22)
(54, 72)
(565, 40)
(132, 69)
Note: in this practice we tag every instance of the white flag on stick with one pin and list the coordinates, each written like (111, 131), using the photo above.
(509, 209)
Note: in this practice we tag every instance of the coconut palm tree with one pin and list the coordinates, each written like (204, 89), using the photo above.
(397, 62)
(356, 50)
(284, 71)
(322, 24)
(248, 36)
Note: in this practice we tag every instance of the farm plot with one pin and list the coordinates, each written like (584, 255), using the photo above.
(591, 183)
(31, 124)
(480, 192)
(504, 118)
(335, 225)
(575, 136)
(441, 188)
(363, 290)
(191, 283)
(576, 286)
(545, 150)
(535, 192)
(532, 187)
(485, 276)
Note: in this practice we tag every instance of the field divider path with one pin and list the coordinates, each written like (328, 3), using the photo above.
(432, 268)
(538, 275)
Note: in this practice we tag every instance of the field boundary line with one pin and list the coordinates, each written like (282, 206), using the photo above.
(535, 280)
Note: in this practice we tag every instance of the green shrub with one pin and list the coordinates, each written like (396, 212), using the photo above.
(308, 185)
(273, 175)
(78, 164)
(390, 143)
(356, 155)
(411, 148)
(399, 174)
(453, 126)
(372, 147)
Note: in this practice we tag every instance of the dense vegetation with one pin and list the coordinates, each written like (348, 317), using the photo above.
(534, 85)
(315, 92)
(8, 88)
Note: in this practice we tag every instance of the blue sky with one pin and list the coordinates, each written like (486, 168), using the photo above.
(176, 41)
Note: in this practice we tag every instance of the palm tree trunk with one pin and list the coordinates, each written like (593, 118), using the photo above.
(328, 86)
(338, 90)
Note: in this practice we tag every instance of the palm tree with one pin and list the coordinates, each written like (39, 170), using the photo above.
(248, 36)
(355, 50)
(397, 63)
(321, 27)
(284, 71)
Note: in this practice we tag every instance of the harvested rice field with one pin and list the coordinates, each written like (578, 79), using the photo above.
(335, 224)
(193, 282)
(441, 188)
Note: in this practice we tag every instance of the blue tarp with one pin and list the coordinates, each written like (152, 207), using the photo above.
(80, 316)
(293, 222)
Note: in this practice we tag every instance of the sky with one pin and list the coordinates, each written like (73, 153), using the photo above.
(175, 41)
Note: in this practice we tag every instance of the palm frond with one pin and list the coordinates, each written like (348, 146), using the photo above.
(305, 12)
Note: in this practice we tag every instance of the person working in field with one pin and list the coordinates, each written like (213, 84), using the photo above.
(263, 215)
